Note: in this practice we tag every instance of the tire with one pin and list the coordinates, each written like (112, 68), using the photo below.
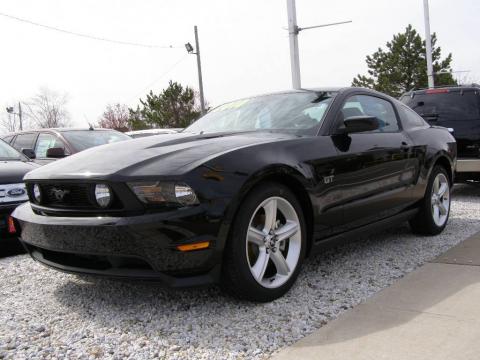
(426, 222)
(253, 268)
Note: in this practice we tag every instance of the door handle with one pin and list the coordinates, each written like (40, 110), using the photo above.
(404, 146)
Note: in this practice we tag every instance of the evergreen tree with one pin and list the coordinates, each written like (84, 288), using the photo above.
(174, 107)
(403, 65)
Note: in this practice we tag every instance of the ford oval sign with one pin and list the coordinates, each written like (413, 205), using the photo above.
(16, 192)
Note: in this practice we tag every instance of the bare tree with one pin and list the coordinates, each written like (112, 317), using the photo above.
(115, 117)
(48, 109)
(10, 117)
(9, 122)
(465, 78)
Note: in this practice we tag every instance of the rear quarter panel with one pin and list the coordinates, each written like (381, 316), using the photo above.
(433, 143)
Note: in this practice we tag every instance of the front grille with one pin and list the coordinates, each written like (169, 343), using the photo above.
(68, 195)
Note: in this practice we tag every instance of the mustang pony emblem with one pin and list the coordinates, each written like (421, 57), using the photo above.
(59, 193)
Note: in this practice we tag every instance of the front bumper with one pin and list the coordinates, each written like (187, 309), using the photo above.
(141, 247)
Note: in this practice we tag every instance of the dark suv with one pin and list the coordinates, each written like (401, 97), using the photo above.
(457, 108)
(47, 145)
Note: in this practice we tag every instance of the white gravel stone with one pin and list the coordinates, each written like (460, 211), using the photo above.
(45, 314)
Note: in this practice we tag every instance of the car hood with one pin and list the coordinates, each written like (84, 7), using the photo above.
(12, 171)
(161, 155)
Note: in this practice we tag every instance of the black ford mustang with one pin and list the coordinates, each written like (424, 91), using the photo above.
(244, 194)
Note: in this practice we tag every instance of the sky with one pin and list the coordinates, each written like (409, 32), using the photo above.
(244, 46)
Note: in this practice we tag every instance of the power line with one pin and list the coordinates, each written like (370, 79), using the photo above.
(159, 78)
(87, 36)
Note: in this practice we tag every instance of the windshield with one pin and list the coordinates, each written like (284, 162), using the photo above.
(299, 112)
(452, 105)
(84, 139)
(9, 153)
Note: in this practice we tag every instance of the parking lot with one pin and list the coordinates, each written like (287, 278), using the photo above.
(47, 314)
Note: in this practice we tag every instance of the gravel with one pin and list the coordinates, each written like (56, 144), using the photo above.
(47, 314)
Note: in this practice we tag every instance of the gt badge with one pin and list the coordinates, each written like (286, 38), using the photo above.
(328, 179)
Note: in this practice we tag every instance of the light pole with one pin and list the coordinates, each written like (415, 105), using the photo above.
(293, 31)
(190, 50)
(428, 43)
(11, 110)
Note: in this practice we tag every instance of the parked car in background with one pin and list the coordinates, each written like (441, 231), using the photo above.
(458, 108)
(243, 194)
(47, 145)
(13, 166)
(150, 132)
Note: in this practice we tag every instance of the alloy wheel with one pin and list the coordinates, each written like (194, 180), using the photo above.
(274, 241)
(440, 201)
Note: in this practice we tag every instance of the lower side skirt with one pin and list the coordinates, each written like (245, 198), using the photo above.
(348, 236)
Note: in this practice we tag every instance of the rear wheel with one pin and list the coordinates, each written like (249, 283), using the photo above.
(435, 208)
(267, 245)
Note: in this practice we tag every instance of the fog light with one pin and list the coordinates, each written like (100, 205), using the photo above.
(103, 195)
(37, 193)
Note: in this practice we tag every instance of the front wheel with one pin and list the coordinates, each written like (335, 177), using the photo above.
(267, 245)
(435, 207)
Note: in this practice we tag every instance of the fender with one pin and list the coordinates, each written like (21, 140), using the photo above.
(281, 173)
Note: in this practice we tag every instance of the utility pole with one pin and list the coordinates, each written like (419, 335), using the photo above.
(199, 66)
(190, 50)
(20, 115)
(428, 42)
(11, 111)
(293, 31)
(293, 39)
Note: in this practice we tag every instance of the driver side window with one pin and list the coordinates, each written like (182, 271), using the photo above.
(361, 105)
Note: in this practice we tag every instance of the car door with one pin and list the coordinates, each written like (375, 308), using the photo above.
(375, 170)
(47, 141)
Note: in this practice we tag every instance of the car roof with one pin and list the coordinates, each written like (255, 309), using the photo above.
(302, 90)
(154, 131)
(307, 90)
(58, 130)
(447, 87)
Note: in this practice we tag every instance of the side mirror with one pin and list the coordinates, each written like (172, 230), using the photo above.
(29, 153)
(356, 124)
(56, 153)
(451, 131)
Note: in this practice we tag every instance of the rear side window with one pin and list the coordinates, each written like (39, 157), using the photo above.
(410, 118)
(452, 105)
(24, 141)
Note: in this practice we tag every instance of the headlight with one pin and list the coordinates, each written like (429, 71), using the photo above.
(103, 195)
(37, 193)
(164, 193)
